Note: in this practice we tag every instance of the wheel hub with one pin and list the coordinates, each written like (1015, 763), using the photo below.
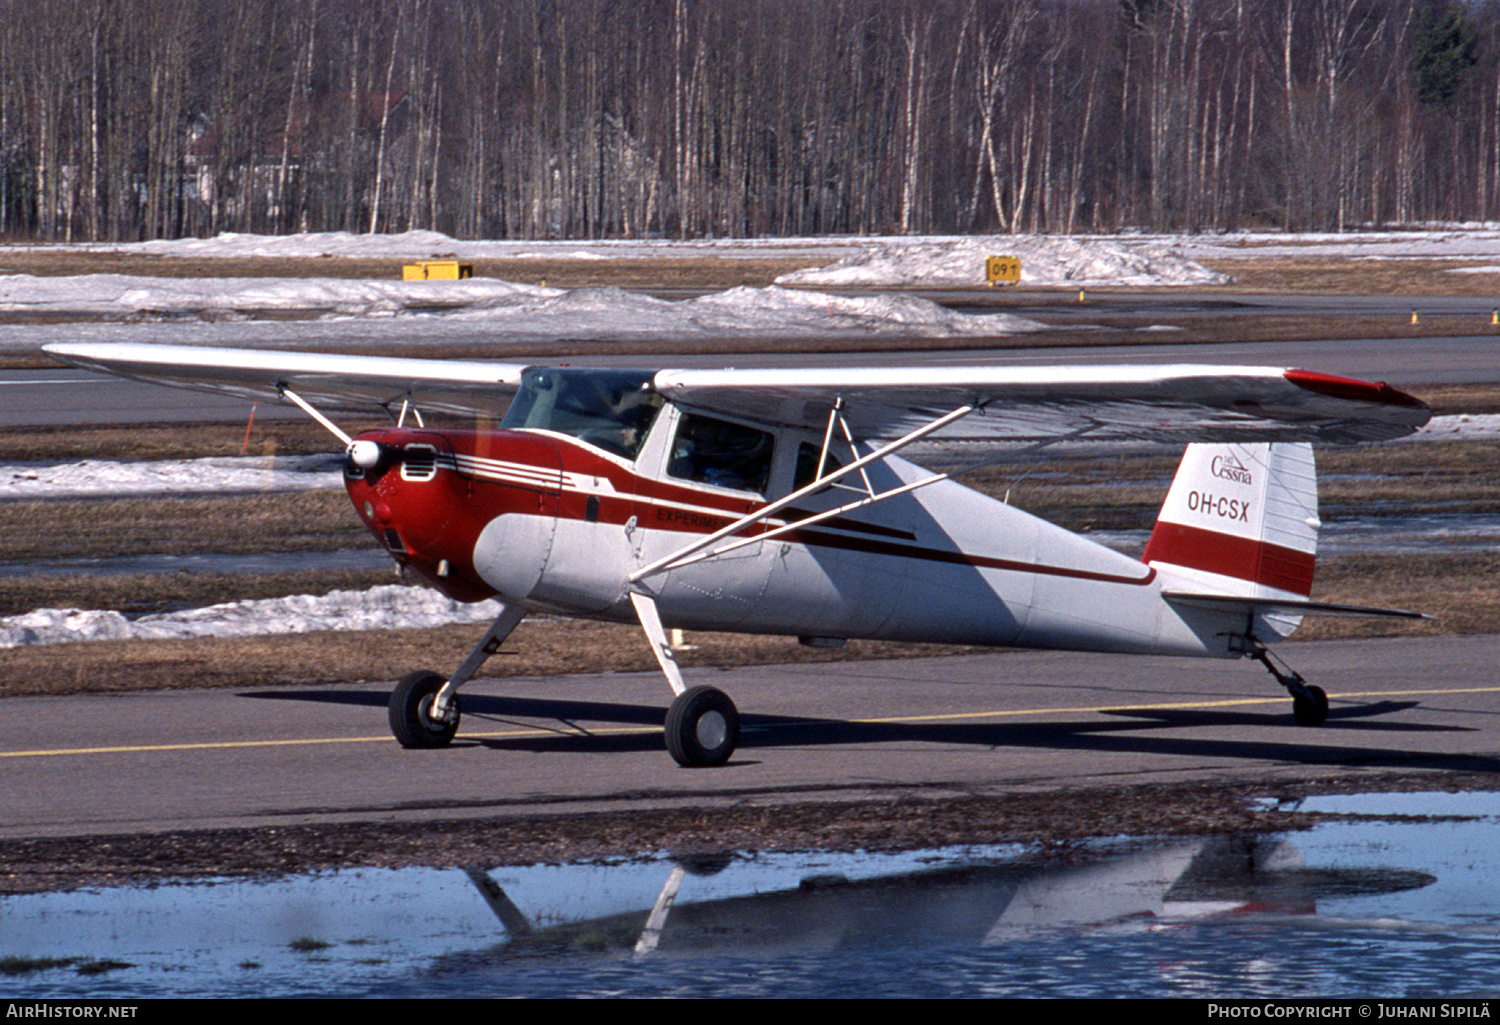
(424, 713)
(711, 729)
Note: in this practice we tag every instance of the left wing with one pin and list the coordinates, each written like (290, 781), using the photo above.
(1152, 403)
(341, 382)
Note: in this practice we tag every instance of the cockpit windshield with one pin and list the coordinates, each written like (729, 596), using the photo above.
(610, 409)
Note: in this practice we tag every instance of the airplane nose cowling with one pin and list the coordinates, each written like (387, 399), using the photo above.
(471, 512)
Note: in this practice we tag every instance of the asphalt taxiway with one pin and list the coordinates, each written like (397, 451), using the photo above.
(1005, 722)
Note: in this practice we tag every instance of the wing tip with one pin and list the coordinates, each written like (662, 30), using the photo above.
(1353, 389)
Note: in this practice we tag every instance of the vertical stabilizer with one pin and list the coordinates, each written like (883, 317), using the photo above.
(1240, 520)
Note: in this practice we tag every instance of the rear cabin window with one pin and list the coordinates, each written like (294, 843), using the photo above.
(808, 457)
(727, 455)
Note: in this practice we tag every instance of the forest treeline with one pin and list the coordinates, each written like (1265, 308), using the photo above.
(135, 119)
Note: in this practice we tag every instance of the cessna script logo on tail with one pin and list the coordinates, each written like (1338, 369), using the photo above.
(1227, 467)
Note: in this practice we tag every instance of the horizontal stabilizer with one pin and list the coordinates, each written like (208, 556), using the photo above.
(1290, 606)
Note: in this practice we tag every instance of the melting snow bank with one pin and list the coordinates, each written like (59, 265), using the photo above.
(534, 310)
(960, 262)
(1460, 427)
(119, 295)
(390, 607)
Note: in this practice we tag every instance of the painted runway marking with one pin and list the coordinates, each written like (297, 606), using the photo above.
(618, 731)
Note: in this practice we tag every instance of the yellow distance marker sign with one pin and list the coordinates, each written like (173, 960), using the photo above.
(437, 270)
(1005, 270)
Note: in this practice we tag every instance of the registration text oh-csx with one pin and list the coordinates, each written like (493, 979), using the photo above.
(1222, 506)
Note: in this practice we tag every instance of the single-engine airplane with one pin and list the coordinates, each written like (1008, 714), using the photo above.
(777, 501)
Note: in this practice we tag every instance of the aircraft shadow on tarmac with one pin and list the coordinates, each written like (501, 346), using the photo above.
(582, 726)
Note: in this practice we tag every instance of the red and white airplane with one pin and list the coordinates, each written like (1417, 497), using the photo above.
(776, 501)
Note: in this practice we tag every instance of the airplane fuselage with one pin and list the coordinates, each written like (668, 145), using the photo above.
(552, 521)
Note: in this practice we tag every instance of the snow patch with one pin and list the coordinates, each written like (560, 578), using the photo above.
(957, 263)
(529, 310)
(389, 607)
(220, 474)
(1460, 427)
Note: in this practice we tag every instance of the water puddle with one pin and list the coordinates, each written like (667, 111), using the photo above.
(1395, 898)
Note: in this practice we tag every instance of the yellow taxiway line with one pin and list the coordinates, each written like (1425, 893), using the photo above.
(627, 730)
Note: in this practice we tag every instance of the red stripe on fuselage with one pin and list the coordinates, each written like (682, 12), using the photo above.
(684, 508)
(1243, 558)
(710, 511)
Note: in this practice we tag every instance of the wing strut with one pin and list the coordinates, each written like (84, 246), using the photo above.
(870, 499)
(836, 415)
(307, 408)
(667, 562)
(688, 558)
(408, 404)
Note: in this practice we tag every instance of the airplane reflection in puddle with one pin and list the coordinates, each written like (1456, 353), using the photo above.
(953, 921)
(984, 904)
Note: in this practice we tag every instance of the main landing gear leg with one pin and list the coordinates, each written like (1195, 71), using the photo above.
(1309, 703)
(703, 726)
(424, 707)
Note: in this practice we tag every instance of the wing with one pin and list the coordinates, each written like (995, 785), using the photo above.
(328, 381)
(1156, 403)
(1153, 403)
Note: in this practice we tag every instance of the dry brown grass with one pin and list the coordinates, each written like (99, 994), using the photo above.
(1454, 399)
(692, 271)
(1461, 592)
(174, 441)
(299, 522)
(1344, 276)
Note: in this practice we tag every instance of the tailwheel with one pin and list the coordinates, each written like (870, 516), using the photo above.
(703, 727)
(1309, 702)
(1311, 706)
(410, 712)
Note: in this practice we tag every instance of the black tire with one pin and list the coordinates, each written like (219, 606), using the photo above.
(410, 702)
(1312, 709)
(703, 727)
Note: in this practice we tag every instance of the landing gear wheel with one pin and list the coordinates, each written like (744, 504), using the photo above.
(411, 703)
(1312, 708)
(703, 727)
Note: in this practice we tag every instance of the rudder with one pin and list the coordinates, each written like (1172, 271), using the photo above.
(1240, 520)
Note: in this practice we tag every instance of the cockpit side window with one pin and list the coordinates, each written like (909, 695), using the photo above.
(609, 409)
(721, 453)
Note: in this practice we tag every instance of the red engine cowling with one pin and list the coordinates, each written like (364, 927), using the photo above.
(427, 495)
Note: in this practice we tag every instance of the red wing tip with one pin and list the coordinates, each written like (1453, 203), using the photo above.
(1353, 389)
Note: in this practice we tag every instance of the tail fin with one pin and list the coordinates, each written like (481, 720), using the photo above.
(1238, 533)
(1240, 520)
